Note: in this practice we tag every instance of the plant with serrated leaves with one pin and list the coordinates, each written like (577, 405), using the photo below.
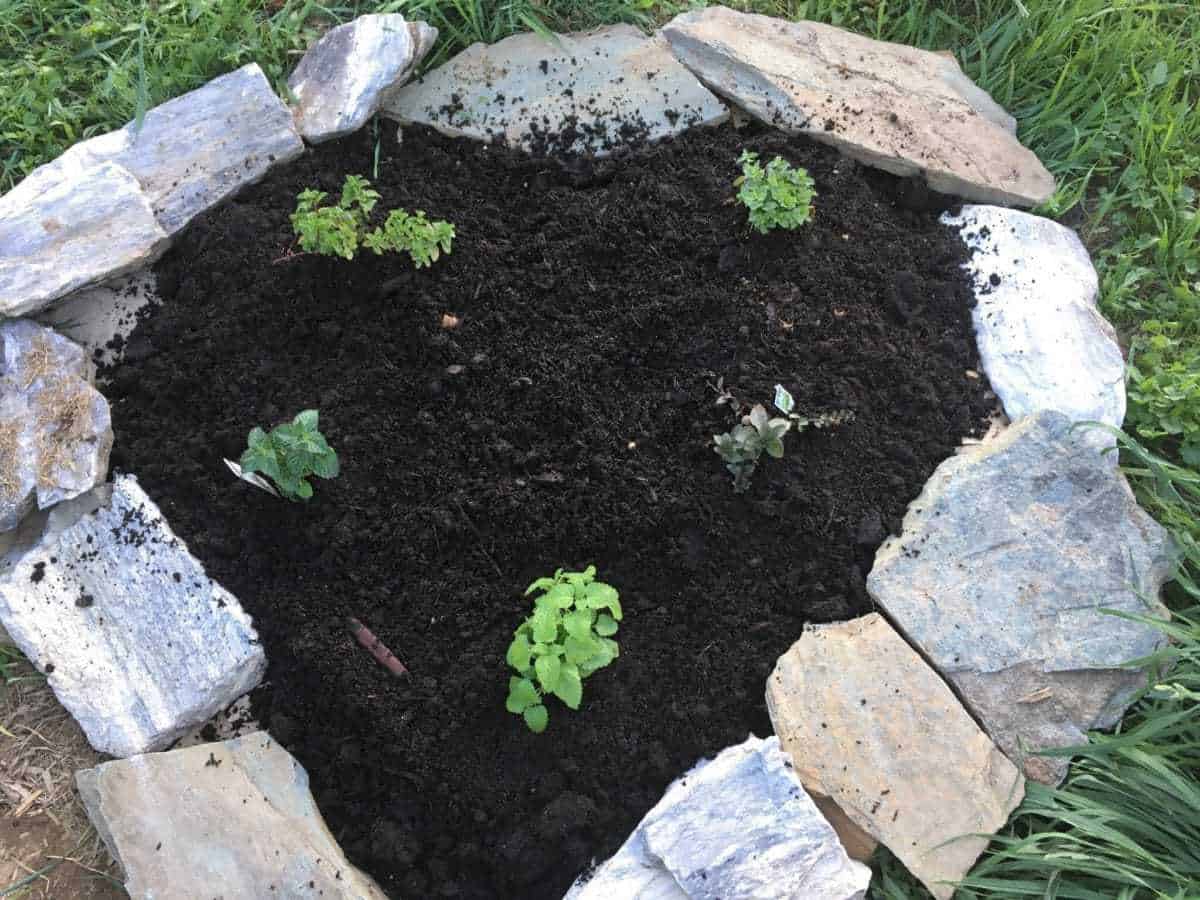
(741, 447)
(334, 230)
(568, 637)
(290, 455)
(340, 229)
(777, 195)
(413, 233)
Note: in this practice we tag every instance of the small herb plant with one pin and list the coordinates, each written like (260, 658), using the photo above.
(339, 230)
(777, 195)
(744, 445)
(290, 455)
(568, 637)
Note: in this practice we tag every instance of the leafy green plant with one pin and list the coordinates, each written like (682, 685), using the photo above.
(568, 637)
(758, 433)
(290, 455)
(340, 229)
(776, 195)
(424, 241)
(742, 446)
(1164, 387)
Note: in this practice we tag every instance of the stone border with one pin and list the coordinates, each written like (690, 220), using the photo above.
(110, 205)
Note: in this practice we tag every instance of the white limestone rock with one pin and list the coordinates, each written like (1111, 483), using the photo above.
(190, 152)
(903, 110)
(341, 80)
(91, 222)
(1042, 341)
(739, 825)
(1005, 563)
(235, 818)
(586, 92)
(135, 640)
(55, 427)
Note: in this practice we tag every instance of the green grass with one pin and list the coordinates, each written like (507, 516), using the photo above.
(1105, 92)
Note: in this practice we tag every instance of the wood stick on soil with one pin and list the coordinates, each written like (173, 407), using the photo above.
(375, 646)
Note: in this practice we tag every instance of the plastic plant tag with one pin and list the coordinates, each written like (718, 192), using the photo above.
(784, 401)
(251, 478)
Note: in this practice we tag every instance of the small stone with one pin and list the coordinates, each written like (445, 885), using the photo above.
(236, 817)
(999, 576)
(55, 427)
(739, 825)
(1043, 342)
(341, 80)
(903, 110)
(135, 674)
(190, 152)
(585, 92)
(870, 726)
(86, 226)
(455, 369)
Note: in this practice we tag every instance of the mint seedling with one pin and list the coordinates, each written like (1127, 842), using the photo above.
(776, 195)
(568, 637)
(290, 455)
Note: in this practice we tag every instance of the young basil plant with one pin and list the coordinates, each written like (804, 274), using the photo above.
(786, 404)
(567, 638)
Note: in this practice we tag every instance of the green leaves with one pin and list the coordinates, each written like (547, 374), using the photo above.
(777, 196)
(340, 230)
(566, 638)
(744, 444)
(290, 454)
(424, 241)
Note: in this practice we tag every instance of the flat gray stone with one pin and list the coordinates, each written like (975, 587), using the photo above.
(903, 110)
(135, 640)
(871, 726)
(586, 92)
(1042, 341)
(191, 152)
(92, 223)
(95, 317)
(1005, 562)
(55, 427)
(739, 825)
(340, 81)
(235, 818)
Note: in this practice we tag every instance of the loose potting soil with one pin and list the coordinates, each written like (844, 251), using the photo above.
(544, 396)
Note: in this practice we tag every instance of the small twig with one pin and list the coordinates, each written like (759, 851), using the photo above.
(375, 647)
(289, 255)
(479, 535)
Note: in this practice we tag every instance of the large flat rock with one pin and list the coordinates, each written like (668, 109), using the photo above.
(903, 110)
(868, 724)
(739, 825)
(1042, 341)
(341, 80)
(135, 640)
(588, 92)
(233, 820)
(1005, 563)
(190, 152)
(91, 223)
(55, 427)
(100, 318)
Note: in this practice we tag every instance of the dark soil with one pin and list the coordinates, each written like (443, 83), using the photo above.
(566, 421)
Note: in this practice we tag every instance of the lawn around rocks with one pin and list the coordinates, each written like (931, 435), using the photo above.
(1104, 93)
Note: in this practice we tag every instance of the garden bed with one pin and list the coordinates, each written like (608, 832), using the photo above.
(566, 420)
